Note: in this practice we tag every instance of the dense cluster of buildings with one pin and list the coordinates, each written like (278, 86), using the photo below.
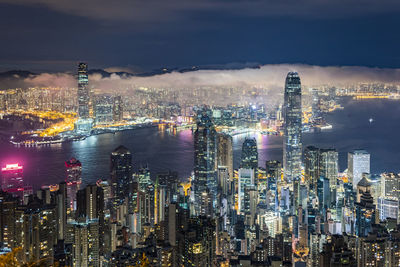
(301, 212)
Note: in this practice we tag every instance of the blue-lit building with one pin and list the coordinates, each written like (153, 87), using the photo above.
(365, 215)
(249, 158)
(292, 146)
(205, 180)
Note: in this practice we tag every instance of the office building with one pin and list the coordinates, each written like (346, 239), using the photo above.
(365, 215)
(205, 180)
(292, 144)
(358, 162)
(12, 177)
(121, 173)
(249, 157)
(103, 110)
(388, 207)
(83, 91)
(40, 236)
(246, 179)
(390, 185)
(118, 109)
(328, 166)
(225, 153)
(311, 166)
(86, 243)
(10, 220)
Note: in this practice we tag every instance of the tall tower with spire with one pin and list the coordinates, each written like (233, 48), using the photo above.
(292, 141)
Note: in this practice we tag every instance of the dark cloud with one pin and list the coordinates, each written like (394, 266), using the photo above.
(52, 36)
(158, 11)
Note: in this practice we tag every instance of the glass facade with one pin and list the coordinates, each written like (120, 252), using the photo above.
(292, 128)
(83, 91)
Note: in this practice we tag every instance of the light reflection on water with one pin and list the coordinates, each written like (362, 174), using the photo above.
(163, 151)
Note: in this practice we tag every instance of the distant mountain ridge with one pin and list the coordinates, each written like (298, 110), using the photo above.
(17, 74)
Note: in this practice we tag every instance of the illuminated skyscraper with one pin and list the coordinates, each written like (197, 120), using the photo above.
(329, 166)
(365, 215)
(292, 113)
(390, 185)
(90, 202)
(249, 159)
(311, 166)
(358, 162)
(103, 109)
(274, 172)
(245, 179)
(11, 176)
(225, 153)
(118, 113)
(83, 91)
(73, 180)
(121, 172)
(73, 171)
(204, 158)
(12, 181)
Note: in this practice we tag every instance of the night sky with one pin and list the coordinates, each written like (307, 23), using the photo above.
(48, 35)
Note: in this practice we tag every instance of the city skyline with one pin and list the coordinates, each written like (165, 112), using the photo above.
(207, 133)
(303, 212)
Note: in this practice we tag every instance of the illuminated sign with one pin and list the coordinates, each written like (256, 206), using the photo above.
(12, 167)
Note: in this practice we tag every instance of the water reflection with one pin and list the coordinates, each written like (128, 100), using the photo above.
(163, 151)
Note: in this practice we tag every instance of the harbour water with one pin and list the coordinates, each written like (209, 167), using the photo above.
(162, 151)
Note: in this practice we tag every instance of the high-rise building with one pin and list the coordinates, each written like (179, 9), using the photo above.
(143, 178)
(371, 251)
(223, 179)
(249, 158)
(73, 171)
(358, 162)
(250, 202)
(12, 177)
(40, 236)
(90, 202)
(292, 144)
(246, 179)
(103, 109)
(90, 207)
(160, 192)
(73, 179)
(62, 210)
(86, 243)
(13, 182)
(273, 170)
(83, 91)
(388, 207)
(121, 172)
(225, 153)
(118, 109)
(204, 158)
(328, 166)
(365, 215)
(390, 185)
(311, 166)
(10, 220)
(197, 243)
